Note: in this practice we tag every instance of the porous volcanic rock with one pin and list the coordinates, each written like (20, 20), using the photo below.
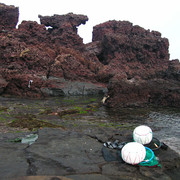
(3, 84)
(9, 17)
(50, 59)
(63, 29)
(137, 65)
(131, 49)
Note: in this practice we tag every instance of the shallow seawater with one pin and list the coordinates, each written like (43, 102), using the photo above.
(164, 122)
(166, 125)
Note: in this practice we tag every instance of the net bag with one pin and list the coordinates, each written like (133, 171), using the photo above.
(150, 160)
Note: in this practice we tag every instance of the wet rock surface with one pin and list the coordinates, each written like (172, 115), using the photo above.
(74, 149)
(76, 155)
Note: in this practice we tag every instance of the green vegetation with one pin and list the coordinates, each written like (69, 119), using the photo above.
(80, 110)
(68, 101)
(15, 140)
(69, 112)
(46, 111)
(2, 118)
(90, 100)
(116, 125)
(30, 122)
(3, 109)
(77, 110)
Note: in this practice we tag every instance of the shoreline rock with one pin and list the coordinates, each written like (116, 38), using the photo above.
(131, 62)
(76, 155)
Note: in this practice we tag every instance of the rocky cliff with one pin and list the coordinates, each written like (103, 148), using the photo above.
(137, 65)
(50, 59)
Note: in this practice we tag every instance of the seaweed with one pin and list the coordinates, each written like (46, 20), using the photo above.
(30, 122)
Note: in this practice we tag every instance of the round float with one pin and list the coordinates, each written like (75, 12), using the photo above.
(133, 153)
(142, 134)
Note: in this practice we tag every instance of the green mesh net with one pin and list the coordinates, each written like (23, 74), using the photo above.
(150, 160)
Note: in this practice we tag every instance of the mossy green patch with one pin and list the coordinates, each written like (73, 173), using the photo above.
(116, 125)
(3, 109)
(76, 110)
(71, 101)
(16, 140)
(30, 122)
(5, 117)
(46, 111)
(68, 112)
(80, 110)
(2, 118)
(90, 100)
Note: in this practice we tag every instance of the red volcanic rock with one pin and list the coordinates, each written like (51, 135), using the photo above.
(137, 65)
(32, 33)
(9, 17)
(50, 59)
(130, 50)
(137, 92)
(122, 41)
(24, 85)
(173, 71)
(119, 27)
(68, 22)
(63, 29)
(3, 84)
(70, 62)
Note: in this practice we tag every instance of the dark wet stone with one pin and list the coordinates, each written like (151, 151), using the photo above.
(67, 152)
(75, 155)
(13, 161)
(89, 177)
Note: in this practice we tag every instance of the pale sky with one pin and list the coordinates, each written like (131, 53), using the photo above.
(158, 15)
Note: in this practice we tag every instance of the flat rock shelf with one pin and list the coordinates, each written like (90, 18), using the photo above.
(72, 148)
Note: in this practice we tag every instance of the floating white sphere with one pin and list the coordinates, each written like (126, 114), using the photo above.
(142, 134)
(133, 153)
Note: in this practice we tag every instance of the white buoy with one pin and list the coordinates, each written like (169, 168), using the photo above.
(142, 134)
(133, 153)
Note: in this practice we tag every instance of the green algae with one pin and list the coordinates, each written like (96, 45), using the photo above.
(16, 140)
(80, 110)
(69, 112)
(76, 110)
(46, 111)
(3, 108)
(3, 118)
(116, 125)
(30, 122)
(70, 101)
